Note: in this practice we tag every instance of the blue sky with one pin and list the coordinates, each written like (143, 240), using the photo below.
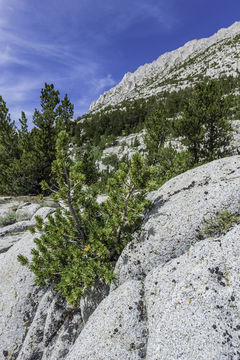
(84, 47)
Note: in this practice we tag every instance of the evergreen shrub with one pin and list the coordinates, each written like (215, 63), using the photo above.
(80, 243)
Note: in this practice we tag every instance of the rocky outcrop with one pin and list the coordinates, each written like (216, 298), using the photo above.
(177, 294)
(194, 303)
(16, 216)
(180, 207)
(26, 211)
(214, 56)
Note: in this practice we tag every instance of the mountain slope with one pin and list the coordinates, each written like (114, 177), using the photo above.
(214, 57)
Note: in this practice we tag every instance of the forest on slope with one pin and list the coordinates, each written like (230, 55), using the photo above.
(26, 155)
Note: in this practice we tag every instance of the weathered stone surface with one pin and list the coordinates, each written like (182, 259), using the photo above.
(43, 212)
(92, 299)
(26, 211)
(52, 330)
(10, 234)
(117, 328)
(177, 296)
(17, 227)
(193, 303)
(180, 207)
(18, 298)
(5, 198)
(34, 323)
(9, 240)
(189, 309)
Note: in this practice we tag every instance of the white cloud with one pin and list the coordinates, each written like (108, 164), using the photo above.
(36, 46)
(125, 13)
(103, 83)
(7, 57)
(81, 106)
(96, 87)
(20, 90)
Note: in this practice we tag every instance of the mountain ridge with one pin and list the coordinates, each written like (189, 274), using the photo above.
(178, 68)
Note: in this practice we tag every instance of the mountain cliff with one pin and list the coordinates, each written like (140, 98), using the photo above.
(212, 57)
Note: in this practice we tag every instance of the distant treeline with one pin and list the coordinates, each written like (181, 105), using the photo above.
(26, 156)
(102, 128)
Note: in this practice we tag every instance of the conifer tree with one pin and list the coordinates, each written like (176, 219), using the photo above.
(64, 116)
(80, 244)
(53, 117)
(157, 130)
(204, 126)
(25, 179)
(44, 133)
(8, 148)
(87, 155)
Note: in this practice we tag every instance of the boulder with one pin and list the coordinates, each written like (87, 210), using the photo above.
(17, 227)
(35, 323)
(26, 211)
(18, 298)
(44, 212)
(9, 240)
(180, 207)
(193, 303)
(185, 309)
(10, 234)
(176, 295)
(117, 328)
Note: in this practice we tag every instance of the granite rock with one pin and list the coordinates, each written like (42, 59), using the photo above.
(176, 295)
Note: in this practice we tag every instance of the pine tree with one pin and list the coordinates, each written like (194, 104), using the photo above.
(64, 116)
(8, 149)
(26, 166)
(81, 243)
(44, 133)
(157, 130)
(53, 117)
(204, 126)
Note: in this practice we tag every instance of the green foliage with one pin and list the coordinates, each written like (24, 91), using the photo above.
(81, 242)
(111, 159)
(219, 224)
(170, 163)
(88, 155)
(166, 161)
(53, 117)
(23, 260)
(8, 148)
(135, 143)
(26, 156)
(157, 130)
(204, 127)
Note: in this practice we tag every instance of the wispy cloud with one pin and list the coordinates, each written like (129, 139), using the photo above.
(19, 90)
(100, 84)
(44, 42)
(7, 57)
(126, 13)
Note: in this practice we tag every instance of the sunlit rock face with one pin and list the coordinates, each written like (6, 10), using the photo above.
(215, 56)
(176, 294)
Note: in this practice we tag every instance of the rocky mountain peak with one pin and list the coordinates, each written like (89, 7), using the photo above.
(214, 56)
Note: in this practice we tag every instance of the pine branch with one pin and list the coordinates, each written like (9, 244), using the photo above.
(71, 209)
